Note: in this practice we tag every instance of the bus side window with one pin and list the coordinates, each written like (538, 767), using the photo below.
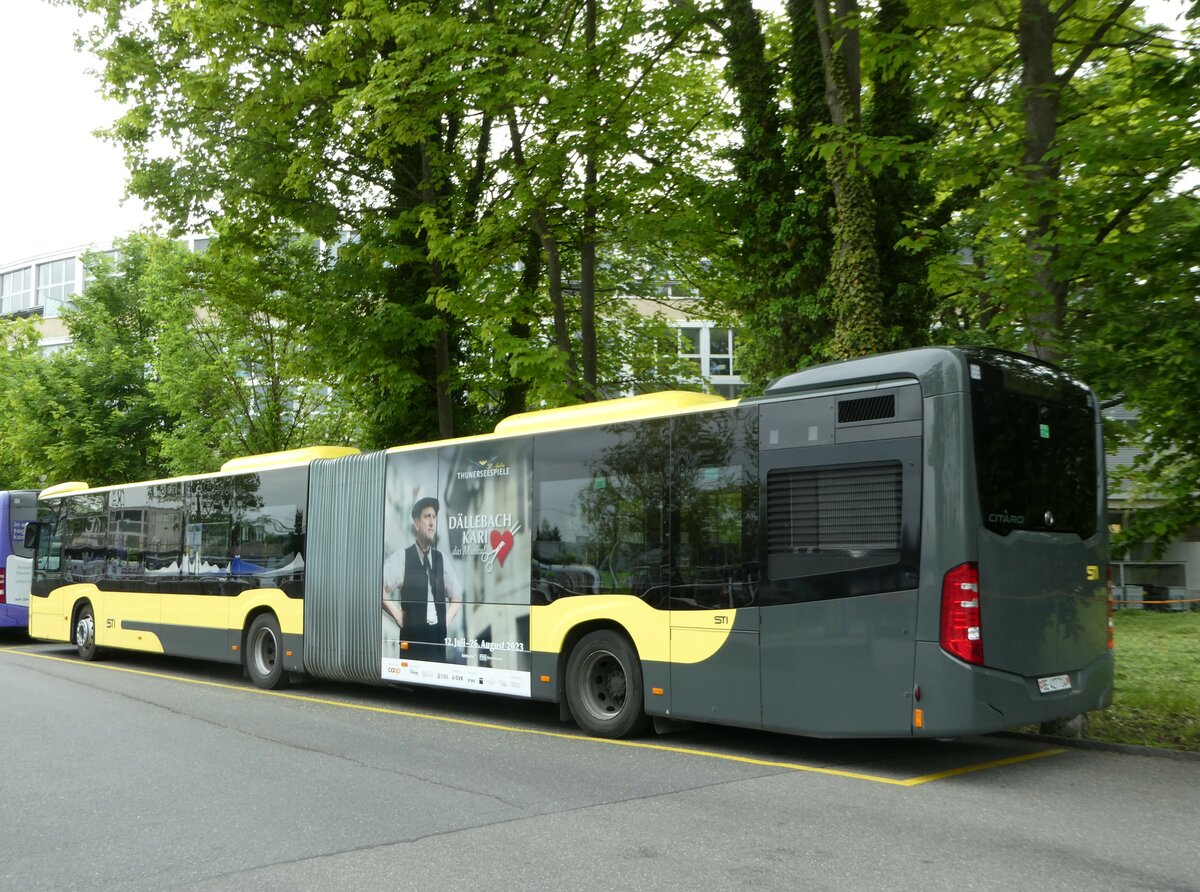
(85, 537)
(714, 511)
(268, 529)
(48, 561)
(600, 512)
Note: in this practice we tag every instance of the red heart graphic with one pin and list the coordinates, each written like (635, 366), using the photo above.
(502, 544)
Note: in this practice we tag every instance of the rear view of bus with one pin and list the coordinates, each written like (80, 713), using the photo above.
(17, 508)
(1024, 624)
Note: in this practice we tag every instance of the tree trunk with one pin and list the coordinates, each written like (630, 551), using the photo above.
(554, 281)
(1040, 90)
(442, 370)
(854, 267)
(587, 247)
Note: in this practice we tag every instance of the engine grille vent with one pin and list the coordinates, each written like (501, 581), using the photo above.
(871, 408)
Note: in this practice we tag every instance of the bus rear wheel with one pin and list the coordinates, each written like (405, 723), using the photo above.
(264, 653)
(85, 633)
(604, 686)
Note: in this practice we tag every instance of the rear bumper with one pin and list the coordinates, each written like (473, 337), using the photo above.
(958, 699)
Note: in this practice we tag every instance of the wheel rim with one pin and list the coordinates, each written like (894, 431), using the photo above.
(264, 650)
(85, 631)
(603, 685)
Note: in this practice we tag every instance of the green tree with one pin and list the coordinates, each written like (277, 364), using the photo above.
(237, 374)
(828, 186)
(601, 117)
(388, 121)
(88, 411)
(1066, 123)
(22, 368)
(1138, 345)
(243, 116)
(1071, 146)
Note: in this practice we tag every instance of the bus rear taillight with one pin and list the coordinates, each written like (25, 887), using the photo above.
(962, 633)
(3, 590)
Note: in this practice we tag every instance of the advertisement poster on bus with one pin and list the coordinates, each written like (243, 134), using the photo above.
(456, 568)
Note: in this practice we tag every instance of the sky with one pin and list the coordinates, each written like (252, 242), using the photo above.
(60, 186)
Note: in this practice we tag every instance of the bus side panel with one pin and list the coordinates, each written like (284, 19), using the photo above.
(207, 627)
(123, 619)
(551, 625)
(128, 620)
(723, 687)
(840, 667)
(50, 614)
(18, 575)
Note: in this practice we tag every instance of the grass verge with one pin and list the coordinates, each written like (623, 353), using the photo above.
(1156, 701)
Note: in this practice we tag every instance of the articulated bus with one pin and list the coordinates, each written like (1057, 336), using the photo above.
(17, 508)
(909, 544)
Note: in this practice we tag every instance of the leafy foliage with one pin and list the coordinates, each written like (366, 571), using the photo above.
(233, 368)
(88, 411)
(176, 362)
(486, 179)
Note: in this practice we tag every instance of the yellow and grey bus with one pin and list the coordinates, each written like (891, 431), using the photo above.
(909, 544)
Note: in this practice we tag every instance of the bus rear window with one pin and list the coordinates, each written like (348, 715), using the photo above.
(22, 510)
(1035, 447)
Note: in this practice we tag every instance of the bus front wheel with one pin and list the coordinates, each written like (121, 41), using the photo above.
(85, 633)
(604, 686)
(264, 653)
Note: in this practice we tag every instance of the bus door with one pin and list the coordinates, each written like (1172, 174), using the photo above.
(714, 572)
(842, 506)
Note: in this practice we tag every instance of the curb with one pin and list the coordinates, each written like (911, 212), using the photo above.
(1129, 749)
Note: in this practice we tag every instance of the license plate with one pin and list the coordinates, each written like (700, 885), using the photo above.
(1052, 683)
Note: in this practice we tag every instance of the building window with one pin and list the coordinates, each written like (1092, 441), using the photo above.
(16, 290)
(712, 351)
(690, 346)
(55, 284)
(720, 351)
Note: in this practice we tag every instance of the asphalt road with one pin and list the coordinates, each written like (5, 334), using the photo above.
(146, 773)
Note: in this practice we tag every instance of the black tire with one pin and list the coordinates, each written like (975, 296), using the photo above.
(604, 686)
(264, 653)
(85, 633)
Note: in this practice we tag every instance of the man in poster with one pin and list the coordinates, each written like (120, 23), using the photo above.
(421, 590)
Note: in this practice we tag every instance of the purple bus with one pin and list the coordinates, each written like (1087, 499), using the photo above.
(17, 508)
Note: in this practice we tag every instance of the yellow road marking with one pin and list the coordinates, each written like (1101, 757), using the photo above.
(576, 738)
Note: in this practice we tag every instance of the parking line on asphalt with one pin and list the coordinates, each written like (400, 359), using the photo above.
(577, 738)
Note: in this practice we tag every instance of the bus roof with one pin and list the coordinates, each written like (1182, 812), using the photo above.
(939, 369)
(629, 408)
(283, 459)
(266, 461)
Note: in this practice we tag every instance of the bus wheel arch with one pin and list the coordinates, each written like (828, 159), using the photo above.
(262, 649)
(83, 625)
(603, 683)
